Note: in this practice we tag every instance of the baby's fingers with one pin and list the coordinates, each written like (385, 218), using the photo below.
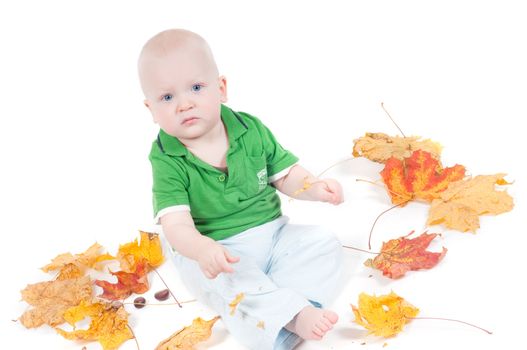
(222, 265)
(226, 267)
(333, 193)
(326, 195)
(209, 274)
(230, 258)
(336, 198)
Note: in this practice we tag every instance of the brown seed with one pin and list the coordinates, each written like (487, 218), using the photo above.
(139, 302)
(162, 294)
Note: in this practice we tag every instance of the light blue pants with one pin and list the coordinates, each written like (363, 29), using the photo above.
(282, 269)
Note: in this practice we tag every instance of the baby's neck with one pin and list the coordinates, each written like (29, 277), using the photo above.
(212, 149)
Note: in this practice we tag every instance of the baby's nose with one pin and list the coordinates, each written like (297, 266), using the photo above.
(184, 105)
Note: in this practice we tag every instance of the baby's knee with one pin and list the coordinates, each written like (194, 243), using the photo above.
(324, 238)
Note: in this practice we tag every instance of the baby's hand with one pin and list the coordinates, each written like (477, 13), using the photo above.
(215, 259)
(327, 190)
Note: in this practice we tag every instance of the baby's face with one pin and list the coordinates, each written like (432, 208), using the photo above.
(183, 92)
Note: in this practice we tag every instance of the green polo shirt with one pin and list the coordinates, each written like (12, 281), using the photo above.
(222, 204)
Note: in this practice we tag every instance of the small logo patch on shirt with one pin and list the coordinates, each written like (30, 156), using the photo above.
(262, 179)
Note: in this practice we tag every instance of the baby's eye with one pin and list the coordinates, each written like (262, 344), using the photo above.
(167, 97)
(196, 87)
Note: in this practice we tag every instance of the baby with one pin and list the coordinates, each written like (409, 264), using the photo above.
(215, 176)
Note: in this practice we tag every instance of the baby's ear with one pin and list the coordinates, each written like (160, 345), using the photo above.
(223, 88)
(147, 105)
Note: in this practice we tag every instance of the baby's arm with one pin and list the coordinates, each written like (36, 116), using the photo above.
(212, 257)
(323, 190)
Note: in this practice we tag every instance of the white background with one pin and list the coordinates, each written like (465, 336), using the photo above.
(75, 138)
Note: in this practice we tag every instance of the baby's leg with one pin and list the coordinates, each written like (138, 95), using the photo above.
(307, 259)
(264, 310)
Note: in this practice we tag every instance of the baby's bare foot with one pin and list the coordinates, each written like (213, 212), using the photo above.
(312, 323)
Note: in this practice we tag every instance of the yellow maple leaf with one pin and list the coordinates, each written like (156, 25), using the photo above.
(85, 308)
(380, 147)
(52, 298)
(148, 249)
(89, 258)
(459, 206)
(108, 326)
(235, 303)
(384, 315)
(186, 338)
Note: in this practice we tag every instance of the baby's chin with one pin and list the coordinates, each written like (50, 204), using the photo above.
(193, 132)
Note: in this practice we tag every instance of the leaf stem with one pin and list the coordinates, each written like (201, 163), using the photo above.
(377, 218)
(360, 250)
(395, 206)
(335, 164)
(162, 280)
(386, 188)
(161, 304)
(135, 338)
(393, 121)
(307, 184)
(449, 319)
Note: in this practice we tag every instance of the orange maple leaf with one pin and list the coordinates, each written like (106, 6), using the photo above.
(186, 338)
(459, 206)
(418, 177)
(149, 249)
(89, 258)
(384, 315)
(52, 298)
(400, 255)
(127, 283)
(109, 325)
(69, 271)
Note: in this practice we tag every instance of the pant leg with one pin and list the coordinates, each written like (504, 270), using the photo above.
(307, 259)
(265, 309)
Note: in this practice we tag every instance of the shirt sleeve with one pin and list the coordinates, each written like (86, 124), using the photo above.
(278, 158)
(169, 183)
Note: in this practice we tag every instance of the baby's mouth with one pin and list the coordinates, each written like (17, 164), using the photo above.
(189, 120)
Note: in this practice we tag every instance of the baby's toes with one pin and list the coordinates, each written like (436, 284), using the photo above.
(327, 325)
(316, 334)
(331, 316)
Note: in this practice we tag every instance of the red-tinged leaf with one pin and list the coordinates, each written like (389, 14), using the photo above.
(418, 177)
(402, 254)
(127, 283)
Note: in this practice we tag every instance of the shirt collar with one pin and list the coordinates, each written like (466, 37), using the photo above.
(234, 125)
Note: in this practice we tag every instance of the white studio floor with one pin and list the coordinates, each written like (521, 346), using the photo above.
(75, 138)
(478, 281)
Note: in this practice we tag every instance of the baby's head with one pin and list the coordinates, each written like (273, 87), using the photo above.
(181, 84)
